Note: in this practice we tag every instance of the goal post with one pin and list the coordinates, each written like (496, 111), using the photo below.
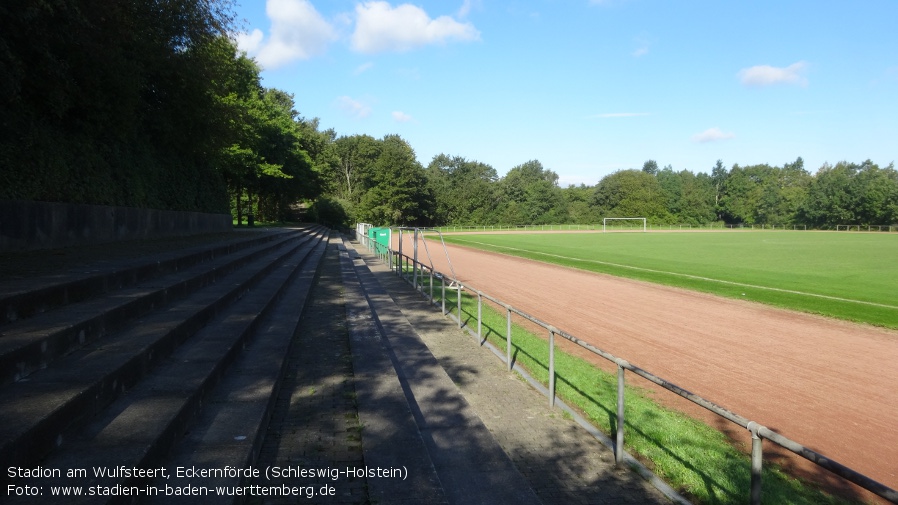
(606, 219)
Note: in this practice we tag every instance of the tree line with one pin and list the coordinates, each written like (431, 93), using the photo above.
(150, 104)
(453, 190)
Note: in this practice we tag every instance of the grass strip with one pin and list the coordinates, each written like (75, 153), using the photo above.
(696, 459)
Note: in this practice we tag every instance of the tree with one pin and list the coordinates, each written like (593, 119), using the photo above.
(529, 194)
(874, 192)
(672, 185)
(650, 167)
(631, 193)
(697, 199)
(398, 194)
(463, 190)
(829, 202)
(354, 156)
(718, 178)
(112, 102)
(577, 200)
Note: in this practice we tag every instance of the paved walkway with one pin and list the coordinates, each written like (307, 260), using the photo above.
(557, 458)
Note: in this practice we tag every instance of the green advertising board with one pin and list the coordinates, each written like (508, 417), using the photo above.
(380, 239)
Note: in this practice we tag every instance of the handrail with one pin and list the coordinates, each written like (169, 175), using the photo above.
(757, 430)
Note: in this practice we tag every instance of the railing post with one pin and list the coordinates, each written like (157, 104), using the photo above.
(431, 286)
(479, 317)
(551, 369)
(443, 300)
(757, 462)
(508, 336)
(458, 297)
(619, 435)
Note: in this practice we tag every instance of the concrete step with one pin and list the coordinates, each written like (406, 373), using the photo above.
(230, 430)
(31, 344)
(140, 429)
(28, 296)
(40, 413)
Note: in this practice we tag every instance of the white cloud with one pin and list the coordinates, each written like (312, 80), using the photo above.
(381, 27)
(466, 7)
(250, 42)
(712, 135)
(621, 114)
(401, 117)
(364, 67)
(298, 32)
(353, 108)
(765, 75)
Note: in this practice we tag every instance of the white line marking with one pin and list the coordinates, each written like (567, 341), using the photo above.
(732, 283)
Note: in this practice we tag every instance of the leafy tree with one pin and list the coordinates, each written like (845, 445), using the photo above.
(631, 193)
(697, 199)
(672, 185)
(650, 167)
(112, 102)
(353, 160)
(529, 194)
(719, 175)
(577, 200)
(463, 190)
(874, 192)
(398, 194)
(829, 201)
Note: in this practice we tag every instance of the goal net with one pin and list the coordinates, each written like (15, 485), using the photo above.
(636, 223)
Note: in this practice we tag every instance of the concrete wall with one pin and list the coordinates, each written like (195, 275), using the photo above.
(28, 225)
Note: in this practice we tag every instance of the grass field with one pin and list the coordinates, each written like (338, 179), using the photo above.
(850, 276)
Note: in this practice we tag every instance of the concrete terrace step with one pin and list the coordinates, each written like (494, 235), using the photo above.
(30, 344)
(37, 414)
(231, 428)
(142, 427)
(26, 295)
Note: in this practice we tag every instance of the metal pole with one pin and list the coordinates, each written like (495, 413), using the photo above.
(757, 462)
(551, 369)
(415, 262)
(443, 283)
(619, 435)
(479, 316)
(431, 286)
(458, 297)
(508, 336)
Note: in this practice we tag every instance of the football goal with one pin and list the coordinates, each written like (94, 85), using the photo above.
(605, 221)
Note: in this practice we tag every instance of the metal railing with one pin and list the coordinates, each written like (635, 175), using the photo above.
(412, 271)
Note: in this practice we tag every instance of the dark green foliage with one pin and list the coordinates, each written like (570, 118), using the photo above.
(397, 188)
(529, 194)
(852, 194)
(332, 212)
(106, 102)
(631, 193)
(464, 190)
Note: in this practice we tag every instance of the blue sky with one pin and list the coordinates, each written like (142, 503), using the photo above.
(589, 87)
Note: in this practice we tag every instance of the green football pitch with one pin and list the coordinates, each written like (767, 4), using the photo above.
(852, 276)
